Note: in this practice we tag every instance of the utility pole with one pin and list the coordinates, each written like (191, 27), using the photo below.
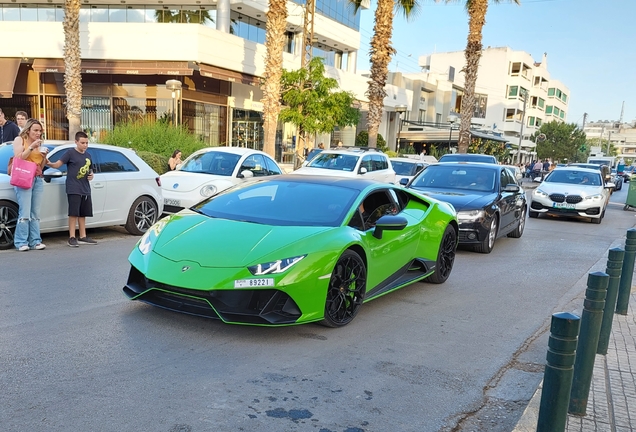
(584, 121)
(523, 120)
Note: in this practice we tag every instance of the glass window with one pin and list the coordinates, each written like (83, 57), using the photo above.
(272, 168)
(556, 111)
(531, 121)
(551, 91)
(109, 161)
(558, 93)
(548, 109)
(116, 14)
(256, 164)
(10, 13)
(539, 122)
(541, 103)
(367, 163)
(46, 14)
(28, 13)
(99, 14)
(515, 68)
(562, 114)
(510, 114)
(513, 91)
(59, 14)
(564, 98)
(379, 162)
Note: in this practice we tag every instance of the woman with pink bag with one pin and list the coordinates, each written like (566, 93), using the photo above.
(28, 146)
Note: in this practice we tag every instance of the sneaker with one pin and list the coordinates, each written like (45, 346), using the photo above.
(72, 242)
(86, 240)
(23, 248)
(40, 246)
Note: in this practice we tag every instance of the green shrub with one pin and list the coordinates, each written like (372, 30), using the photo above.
(391, 153)
(362, 140)
(156, 161)
(154, 137)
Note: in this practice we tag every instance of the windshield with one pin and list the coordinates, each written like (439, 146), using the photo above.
(466, 157)
(313, 153)
(282, 203)
(404, 168)
(574, 177)
(456, 177)
(334, 161)
(212, 162)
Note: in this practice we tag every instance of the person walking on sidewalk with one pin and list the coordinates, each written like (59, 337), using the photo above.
(78, 188)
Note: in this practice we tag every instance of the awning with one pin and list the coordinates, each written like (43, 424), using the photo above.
(8, 73)
(487, 136)
(228, 75)
(122, 67)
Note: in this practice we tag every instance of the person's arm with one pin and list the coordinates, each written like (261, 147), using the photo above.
(18, 148)
(61, 161)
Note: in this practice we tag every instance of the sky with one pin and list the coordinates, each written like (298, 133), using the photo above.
(591, 45)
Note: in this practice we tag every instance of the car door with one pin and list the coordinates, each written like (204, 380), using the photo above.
(367, 164)
(254, 163)
(54, 210)
(272, 167)
(507, 201)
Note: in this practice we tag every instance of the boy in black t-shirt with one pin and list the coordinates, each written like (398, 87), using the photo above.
(78, 188)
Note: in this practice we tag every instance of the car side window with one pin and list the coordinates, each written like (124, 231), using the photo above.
(54, 158)
(109, 161)
(256, 164)
(367, 163)
(379, 162)
(400, 197)
(272, 168)
(376, 205)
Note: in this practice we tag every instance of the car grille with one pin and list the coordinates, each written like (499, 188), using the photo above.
(570, 199)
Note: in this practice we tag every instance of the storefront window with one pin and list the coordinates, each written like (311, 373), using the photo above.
(247, 129)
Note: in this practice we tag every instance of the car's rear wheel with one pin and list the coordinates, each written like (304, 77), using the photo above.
(518, 232)
(8, 222)
(488, 243)
(346, 291)
(142, 215)
(445, 257)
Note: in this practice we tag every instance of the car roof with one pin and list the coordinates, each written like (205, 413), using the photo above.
(355, 151)
(226, 149)
(470, 164)
(409, 160)
(573, 167)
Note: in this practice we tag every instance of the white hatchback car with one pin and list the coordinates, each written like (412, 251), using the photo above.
(353, 162)
(125, 191)
(406, 168)
(211, 170)
(572, 191)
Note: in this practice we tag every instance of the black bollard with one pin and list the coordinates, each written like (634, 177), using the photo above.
(557, 378)
(588, 341)
(625, 286)
(614, 266)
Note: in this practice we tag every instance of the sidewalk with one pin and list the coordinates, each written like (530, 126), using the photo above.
(612, 400)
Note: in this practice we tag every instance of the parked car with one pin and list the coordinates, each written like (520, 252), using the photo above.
(572, 191)
(605, 170)
(618, 180)
(489, 202)
(352, 162)
(468, 157)
(627, 173)
(312, 154)
(125, 191)
(211, 170)
(406, 168)
(293, 249)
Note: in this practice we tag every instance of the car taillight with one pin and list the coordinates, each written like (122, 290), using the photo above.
(158, 180)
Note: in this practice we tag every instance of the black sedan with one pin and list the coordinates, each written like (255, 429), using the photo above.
(488, 200)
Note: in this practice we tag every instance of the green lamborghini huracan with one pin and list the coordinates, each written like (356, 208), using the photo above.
(292, 250)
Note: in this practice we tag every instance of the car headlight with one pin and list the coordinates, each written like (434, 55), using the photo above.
(594, 197)
(470, 216)
(208, 190)
(149, 237)
(539, 192)
(274, 267)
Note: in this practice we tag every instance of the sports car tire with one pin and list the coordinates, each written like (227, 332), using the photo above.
(445, 257)
(518, 232)
(346, 291)
(142, 215)
(8, 222)
(488, 244)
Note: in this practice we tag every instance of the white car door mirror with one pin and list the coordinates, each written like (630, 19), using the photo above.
(363, 170)
(246, 174)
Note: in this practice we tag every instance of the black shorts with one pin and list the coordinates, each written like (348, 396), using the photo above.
(80, 206)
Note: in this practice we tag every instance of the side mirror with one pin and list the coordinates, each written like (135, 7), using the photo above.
(52, 173)
(389, 223)
(363, 170)
(245, 174)
(511, 188)
(404, 181)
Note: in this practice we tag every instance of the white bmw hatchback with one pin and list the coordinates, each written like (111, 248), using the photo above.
(353, 162)
(211, 170)
(125, 191)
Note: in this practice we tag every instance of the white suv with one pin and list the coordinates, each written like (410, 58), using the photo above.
(355, 162)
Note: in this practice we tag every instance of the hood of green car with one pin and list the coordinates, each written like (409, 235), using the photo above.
(214, 242)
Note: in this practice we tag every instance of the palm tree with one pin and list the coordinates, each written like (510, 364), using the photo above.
(274, 44)
(381, 52)
(72, 64)
(476, 19)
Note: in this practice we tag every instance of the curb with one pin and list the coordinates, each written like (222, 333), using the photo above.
(528, 420)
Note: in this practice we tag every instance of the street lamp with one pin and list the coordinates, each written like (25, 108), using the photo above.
(175, 87)
(399, 109)
(452, 118)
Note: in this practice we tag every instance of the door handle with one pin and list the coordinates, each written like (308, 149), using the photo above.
(98, 185)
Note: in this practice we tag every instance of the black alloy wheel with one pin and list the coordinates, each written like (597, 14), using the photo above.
(346, 291)
(445, 257)
(8, 222)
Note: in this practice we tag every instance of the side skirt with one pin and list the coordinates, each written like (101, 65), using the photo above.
(416, 270)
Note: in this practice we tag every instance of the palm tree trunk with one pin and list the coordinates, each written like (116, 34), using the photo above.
(274, 43)
(72, 64)
(477, 18)
(381, 52)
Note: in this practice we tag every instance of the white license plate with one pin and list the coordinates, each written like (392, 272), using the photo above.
(172, 202)
(564, 206)
(252, 283)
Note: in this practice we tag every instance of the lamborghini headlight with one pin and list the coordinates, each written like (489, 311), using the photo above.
(274, 267)
(208, 190)
(149, 237)
(470, 216)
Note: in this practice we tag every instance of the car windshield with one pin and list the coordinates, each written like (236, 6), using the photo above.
(574, 177)
(468, 177)
(313, 153)
(334, 161)
(468, 157)
(282, 203)
(404, 168)
(212, 162)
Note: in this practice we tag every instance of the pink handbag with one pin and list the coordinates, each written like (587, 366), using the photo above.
(23, 173)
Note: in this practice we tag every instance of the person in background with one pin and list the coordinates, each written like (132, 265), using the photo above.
(21, 119)
(27, 147)
(9, 131)
(321, 146)
(78, 189)
(175, 159)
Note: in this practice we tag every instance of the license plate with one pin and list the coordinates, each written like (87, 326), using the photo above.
(567, 206)
(251, 283)
(172, 202)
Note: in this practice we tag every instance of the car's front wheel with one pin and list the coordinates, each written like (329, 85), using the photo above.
(489, 242)
(346, 291)
(142, 215)
(445, 257)
(8, 222)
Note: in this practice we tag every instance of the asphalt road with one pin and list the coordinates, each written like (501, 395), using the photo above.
(76, 355)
